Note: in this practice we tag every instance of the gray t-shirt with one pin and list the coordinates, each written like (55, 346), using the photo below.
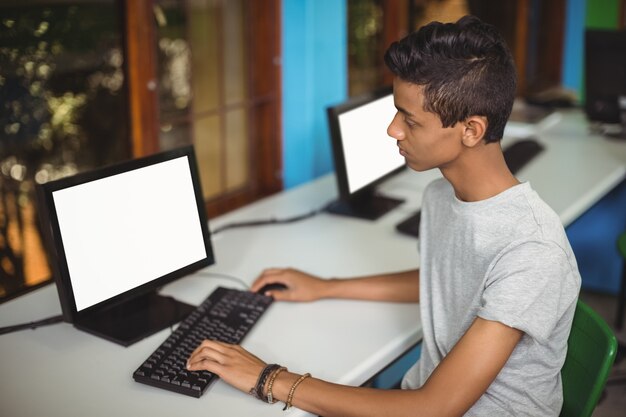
(504, 259)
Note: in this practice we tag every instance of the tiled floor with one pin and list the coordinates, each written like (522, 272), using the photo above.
(614, 402)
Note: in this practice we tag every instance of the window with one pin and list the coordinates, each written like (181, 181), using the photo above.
(534, 31)
(85, 83)
(63, 97)
(217, 79)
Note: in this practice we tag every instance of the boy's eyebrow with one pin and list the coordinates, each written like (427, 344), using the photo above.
(404, 111)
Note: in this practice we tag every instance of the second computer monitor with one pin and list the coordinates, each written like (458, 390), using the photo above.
(364, 154)
(605, 75)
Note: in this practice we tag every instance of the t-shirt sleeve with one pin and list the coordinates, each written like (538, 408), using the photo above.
(529, 288)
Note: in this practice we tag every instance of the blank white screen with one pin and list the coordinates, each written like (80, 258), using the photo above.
(125, 230)
(369, 152)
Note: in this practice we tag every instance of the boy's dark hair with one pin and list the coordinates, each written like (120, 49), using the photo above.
(466, 70)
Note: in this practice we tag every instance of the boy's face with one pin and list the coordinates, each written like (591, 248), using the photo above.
(422, 139)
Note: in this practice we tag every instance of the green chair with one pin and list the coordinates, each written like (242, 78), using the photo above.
(621, 297)
(591, 350)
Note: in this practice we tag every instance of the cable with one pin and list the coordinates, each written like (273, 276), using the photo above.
(225, 276)
(57, 319)
(31, 325)
(218, 275)
(269, 221)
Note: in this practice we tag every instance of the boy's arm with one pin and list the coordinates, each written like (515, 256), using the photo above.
(398, 286)
(454, 386)
(472, 365)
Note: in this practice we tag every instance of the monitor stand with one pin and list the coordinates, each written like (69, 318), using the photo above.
(368, 206)
(132, 320)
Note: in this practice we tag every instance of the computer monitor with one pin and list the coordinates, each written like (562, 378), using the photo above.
(117, 234)
(364, 155)
(605, 74)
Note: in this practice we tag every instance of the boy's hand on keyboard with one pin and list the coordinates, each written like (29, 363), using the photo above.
(232, 363)
(226, 315)
(300, 285)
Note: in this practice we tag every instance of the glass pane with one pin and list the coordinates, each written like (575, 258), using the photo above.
(173, 60)
(365, 45)
(63, 100)
(208, 146)
(211, 62)
(235, 52)
(203, 36)
(439, 10)
(174, 135)
(237, 149)
(188, 61)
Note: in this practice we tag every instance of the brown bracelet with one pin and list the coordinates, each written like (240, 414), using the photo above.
(257, 390)
(293, 389)
(270, 396)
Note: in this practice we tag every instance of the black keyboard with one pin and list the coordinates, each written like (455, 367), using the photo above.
(411, 225)
(226, 315)
(521, 152)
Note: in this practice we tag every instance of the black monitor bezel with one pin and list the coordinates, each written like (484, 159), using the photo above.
(606, 39)
(341, 173)
(54, 241)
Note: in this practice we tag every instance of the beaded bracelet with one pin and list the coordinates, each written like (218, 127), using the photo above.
(293, 389)
(270, 396)
(257, 390)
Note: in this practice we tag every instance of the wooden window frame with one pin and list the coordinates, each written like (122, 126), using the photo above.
(263, 37)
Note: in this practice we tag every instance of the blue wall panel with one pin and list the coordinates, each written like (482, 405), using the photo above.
(574, 40)
(314, 77)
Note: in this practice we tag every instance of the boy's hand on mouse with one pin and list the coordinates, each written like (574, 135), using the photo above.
(300, 285)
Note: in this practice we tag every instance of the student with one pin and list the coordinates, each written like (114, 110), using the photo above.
(498, 281)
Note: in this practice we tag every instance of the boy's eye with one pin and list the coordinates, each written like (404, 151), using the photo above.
(409, 122)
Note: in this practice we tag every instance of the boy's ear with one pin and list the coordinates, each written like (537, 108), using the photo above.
(474, 128)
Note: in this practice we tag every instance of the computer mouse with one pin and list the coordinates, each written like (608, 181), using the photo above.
(274, 286)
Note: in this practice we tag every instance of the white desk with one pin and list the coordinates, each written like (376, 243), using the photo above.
(60, 371)
(577, 168)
